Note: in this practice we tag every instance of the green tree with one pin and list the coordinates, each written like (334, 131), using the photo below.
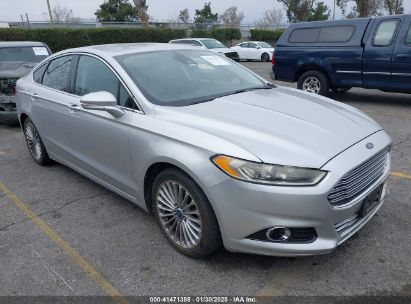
(362, 8)
(205, 15)
(394, 7)
(117, 11)
(319, 13)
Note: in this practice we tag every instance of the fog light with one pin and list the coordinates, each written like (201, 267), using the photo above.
(278, 234)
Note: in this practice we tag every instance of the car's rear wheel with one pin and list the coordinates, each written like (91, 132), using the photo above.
(185, 214)
(34, 143)
(265, 57)
(314, 82)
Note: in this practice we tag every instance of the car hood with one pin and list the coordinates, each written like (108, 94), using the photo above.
(279, 126)
(15, 69)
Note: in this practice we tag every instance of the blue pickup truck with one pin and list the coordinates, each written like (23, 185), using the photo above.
(372, 53)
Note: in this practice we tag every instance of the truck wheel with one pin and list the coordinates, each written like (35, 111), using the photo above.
(314, 82)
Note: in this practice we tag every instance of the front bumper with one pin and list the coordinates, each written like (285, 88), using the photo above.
(244, 208)
(8, 111)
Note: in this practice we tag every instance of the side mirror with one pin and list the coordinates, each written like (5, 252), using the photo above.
(101, 101)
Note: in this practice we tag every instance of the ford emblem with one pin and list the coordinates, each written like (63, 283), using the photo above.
(369, 146)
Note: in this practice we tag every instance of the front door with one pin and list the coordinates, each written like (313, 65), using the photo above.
(378, 54)
(101, 141)
(401, 64)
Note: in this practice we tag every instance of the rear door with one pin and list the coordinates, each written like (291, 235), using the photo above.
(401, 63)
(51, 101)
(254, 51)
(378, 54)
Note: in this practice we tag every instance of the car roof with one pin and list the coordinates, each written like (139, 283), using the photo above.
(112, 50)
(182, 39)
(20, 43)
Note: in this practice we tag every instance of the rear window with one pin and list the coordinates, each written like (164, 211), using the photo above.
(323, 34)
(23, 54)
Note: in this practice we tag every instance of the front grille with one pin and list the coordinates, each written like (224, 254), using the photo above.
(359, 179)
(232, 55)
(8, 86)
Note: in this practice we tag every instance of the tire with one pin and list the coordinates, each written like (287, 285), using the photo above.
(35, 144)
(193, 215)
(265, 57)
(341, 90)
(314, 82)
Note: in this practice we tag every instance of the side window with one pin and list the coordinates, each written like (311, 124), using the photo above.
(252, 45)
(124, 99)
(408, 38)
(385, 33)
(304, 35)
(336, 33)
(94, 76)
(57, 74)
(196, 43)
(244, 45)
(38, 74)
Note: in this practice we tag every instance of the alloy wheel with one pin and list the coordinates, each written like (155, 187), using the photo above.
(33, 141)
(312, 85)
(179, 214)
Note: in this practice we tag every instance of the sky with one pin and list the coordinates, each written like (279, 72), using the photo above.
(161, 10)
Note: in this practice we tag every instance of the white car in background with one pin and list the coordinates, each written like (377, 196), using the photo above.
(208, 43)
(254, 50)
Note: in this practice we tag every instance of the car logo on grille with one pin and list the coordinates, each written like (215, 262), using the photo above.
(369, 145)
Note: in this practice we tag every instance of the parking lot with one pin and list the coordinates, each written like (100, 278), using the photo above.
(61, 234)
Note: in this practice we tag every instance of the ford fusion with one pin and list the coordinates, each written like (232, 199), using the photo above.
(218, 155)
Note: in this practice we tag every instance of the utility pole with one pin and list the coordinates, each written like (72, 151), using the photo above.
(49, 8)
(334, 11)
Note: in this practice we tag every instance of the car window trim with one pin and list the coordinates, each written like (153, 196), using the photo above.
(406, 36)
(139, 108)
(394, 35)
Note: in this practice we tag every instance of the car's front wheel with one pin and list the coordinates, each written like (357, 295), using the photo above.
(34, 143)
(314, 82)
(185, 214)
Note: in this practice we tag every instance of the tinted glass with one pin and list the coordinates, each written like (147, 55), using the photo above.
(57, 75)
(184, 77)
(196, 43)
(336, 34)
(213, 44)
(408, 38)
(124, 99)
(265, 45)
(93, 76)
(243, 45)
(385, 33)
(305, 35)
(38, 74)
(23, 54)
(252, 45)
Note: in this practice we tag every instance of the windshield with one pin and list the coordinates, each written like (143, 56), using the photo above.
(213, 44)
(265, 45)
(23, 54)
(185, 77)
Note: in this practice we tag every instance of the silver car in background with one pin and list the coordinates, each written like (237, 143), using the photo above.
(218, 154)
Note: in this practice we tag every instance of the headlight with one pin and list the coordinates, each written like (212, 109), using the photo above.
(267, 174)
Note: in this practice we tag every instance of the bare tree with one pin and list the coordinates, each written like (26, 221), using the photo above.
(394, 7)
(362, 8)
(142, 8)
(184, 16)
(232, 16)
(61, 14)
(271, 18)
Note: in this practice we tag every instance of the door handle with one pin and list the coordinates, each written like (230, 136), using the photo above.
(33, 96)
(402, 56)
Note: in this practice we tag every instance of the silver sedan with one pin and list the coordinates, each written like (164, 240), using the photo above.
(218, 155)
